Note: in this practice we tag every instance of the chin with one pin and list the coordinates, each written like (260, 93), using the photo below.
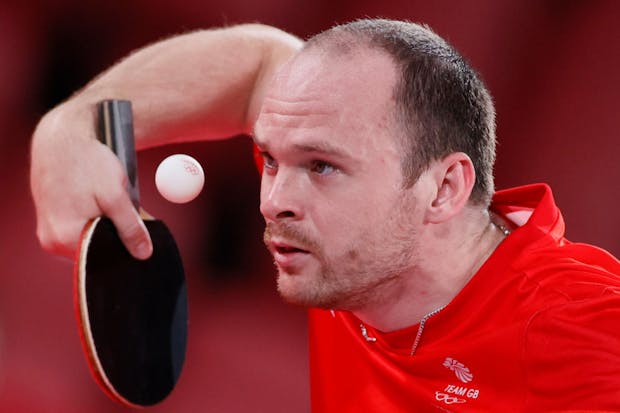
(298, 289)
(291, 289)
(306, 290)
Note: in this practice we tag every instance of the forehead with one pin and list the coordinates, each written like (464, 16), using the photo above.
(321, 92)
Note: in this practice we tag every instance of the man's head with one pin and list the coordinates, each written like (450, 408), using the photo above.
(346, 187)
(441, 104)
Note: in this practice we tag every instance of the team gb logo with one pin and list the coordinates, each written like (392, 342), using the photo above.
(462, 372)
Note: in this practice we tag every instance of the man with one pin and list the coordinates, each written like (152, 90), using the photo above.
(377, 142)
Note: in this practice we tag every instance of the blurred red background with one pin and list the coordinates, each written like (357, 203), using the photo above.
(552, 67)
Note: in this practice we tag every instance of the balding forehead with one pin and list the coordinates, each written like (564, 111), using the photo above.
(360, 66)
(338, 42)
(315, 90)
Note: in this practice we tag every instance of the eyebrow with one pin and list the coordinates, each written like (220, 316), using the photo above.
(319, 147)
(322, 148)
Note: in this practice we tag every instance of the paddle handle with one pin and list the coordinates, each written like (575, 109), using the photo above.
(115, 130)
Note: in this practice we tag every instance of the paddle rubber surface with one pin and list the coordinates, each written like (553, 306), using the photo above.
(133, 314)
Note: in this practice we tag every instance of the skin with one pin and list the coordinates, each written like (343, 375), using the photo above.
(333, 186)
(343, 230)
(214, 93)
(324, 187)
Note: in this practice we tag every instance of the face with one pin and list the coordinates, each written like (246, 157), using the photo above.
(339, 224)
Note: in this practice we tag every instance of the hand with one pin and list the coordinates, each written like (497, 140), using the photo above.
(216, 93)
(75, 178)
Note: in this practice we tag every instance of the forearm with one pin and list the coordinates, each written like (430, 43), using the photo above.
(202, 85)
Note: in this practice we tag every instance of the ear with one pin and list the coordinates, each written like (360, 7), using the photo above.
(453, 178)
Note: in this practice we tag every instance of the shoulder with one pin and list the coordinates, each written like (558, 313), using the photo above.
(571, 352)
(575, 271)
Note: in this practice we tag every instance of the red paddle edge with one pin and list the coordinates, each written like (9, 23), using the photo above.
(89, 352)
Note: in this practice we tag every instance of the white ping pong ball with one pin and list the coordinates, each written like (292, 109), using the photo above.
(179, 178)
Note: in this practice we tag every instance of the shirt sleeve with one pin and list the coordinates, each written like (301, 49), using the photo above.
(571, 355)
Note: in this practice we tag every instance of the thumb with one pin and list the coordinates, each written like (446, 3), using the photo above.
(129, 224)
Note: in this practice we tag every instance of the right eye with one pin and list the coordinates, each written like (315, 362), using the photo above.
(268, 161)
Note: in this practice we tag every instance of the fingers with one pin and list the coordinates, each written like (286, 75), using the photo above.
(116, 204)
(133, 233)
(59, 230)
(74, 180)
(60, 235)
(58, 240)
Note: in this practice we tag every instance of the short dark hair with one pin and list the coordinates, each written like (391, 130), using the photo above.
(443, 106)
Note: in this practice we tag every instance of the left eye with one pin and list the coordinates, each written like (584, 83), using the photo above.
(322, 167)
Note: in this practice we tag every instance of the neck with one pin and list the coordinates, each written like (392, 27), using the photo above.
(450, 255)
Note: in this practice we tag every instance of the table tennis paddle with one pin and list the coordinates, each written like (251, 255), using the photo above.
(132, 314)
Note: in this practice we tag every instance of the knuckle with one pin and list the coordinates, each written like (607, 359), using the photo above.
(57, 239)
(47, 242)
(112, 200)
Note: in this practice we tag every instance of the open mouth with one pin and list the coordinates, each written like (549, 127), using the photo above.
(284, 249)
(289, 257)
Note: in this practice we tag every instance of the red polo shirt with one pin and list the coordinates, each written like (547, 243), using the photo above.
(536, 329)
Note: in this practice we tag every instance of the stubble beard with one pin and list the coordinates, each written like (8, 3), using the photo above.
(368, 272)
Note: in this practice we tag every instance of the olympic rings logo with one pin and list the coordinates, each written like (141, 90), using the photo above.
(448, 399)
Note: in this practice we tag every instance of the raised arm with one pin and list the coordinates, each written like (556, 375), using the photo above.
(202, 85)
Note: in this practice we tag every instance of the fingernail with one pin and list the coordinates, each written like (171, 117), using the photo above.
(143, 250)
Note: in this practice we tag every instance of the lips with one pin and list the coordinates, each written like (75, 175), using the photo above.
(287, 249)
(287, 255)
(284, 247)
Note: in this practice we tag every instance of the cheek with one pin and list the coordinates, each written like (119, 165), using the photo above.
(343, 234)
(264, 190)
(350, 214)
(264, 187)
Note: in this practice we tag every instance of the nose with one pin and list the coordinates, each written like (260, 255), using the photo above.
(281, 196)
